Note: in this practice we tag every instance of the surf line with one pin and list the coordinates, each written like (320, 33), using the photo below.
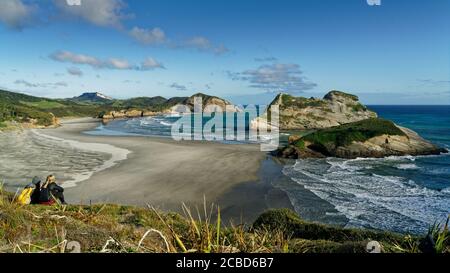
(117, 155)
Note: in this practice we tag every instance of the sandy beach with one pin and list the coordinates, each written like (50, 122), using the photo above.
(165, 173)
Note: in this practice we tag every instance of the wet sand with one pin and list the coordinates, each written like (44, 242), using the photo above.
(165, 173)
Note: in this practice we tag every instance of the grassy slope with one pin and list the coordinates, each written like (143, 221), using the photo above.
(358, 131)
(21, 107)
(131, 229)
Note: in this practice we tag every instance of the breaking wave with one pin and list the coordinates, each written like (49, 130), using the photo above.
(386, 194)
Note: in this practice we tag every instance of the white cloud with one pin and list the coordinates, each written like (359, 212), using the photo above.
(178, 87)
(69, 57)
(275, 78)
(266, 59)
(148, 36)
(118, 64)
(105, 13)
(150, 63)
(40, 85)
(156, 36)
(203, 44)
(111, 63)
(15, 14)
(75, 71)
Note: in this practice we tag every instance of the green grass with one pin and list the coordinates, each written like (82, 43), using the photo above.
(23, 108)
(300, 144)
(126, 229)
(300, 102)
(44, 104)
(343, 94)
(358, 107)
(358, 131)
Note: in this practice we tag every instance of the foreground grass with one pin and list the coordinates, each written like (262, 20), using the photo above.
(124, 229)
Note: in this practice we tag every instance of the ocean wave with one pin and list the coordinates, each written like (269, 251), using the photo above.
(152, 121)
(369, 199)
(407, 167)
(117, 155)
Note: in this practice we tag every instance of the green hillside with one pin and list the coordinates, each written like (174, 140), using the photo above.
(23, 108)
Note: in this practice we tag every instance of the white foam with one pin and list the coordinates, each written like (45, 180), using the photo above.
(407, 167)
(369, 199)
(117, 155)
(165, 123)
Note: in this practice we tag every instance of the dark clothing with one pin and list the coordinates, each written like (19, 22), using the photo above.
(35, 196)
(57, 192)
(44, 195)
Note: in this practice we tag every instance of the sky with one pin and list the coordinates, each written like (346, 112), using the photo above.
(247, 51)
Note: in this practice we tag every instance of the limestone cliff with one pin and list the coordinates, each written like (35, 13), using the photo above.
(210, 103)
(336, 108)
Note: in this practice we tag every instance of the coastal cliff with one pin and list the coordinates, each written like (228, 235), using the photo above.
(336, 108)
(374, 138)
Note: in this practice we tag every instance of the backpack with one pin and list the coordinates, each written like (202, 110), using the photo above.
(25, 196)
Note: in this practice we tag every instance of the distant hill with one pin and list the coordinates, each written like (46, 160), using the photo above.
(42, 111)
(140, 102)
(93, 98)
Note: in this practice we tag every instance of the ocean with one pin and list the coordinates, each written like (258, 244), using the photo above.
(401, 194)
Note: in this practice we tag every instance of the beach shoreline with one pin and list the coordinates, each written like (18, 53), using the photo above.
(164, 173)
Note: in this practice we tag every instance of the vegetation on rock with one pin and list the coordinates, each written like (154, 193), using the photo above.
(336, 108)
(358, 131)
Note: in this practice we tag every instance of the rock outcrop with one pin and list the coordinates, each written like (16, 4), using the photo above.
(130, 114)
(374, 138)
(335, 109)
(210, 103)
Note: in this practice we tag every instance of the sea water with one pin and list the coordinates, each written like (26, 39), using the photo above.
(402, 194)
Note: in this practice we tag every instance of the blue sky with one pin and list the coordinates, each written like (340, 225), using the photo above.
(247, 51)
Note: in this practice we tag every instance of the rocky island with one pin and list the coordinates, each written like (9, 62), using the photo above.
(336, 108)
(343, 127)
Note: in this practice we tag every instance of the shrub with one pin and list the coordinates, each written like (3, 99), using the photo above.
(357, 131)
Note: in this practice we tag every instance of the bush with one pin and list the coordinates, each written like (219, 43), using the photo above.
(290, 223)
(281, 219)
(357, 131)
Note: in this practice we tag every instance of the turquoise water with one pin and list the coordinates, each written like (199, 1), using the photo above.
(403, 194)
(161, 126)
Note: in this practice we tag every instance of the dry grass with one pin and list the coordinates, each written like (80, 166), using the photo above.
(122, 229)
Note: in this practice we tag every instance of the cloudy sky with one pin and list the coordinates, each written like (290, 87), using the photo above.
(395, 53)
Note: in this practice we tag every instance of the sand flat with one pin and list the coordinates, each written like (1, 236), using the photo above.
(161, 172)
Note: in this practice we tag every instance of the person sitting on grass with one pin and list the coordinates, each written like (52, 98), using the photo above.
(35, 196)
(51, 191)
